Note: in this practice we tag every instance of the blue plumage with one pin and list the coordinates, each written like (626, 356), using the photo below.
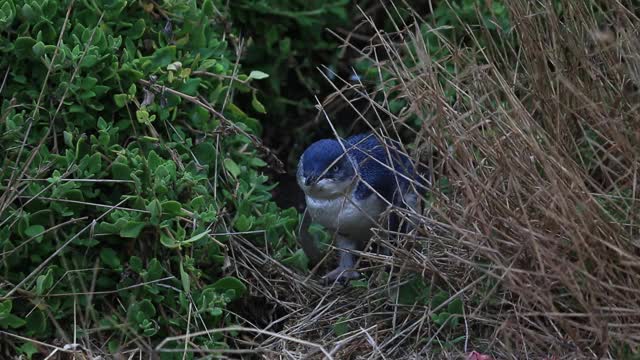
(392, 171)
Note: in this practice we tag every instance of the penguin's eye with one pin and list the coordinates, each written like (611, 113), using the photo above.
(335, 168)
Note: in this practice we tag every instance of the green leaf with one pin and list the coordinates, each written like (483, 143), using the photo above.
(7, 13)
(36, 323)
(319, 235)
(107, 228)
(137, 30)
(94, 164)
(150, 330)
(198, 203)
(154, 271)
(341, 327)
(414, 291)
(232, 167)
(135, 263)
(184, 278)
(120, 171)
(258, 75)
(196, 237)
(168, 241)
(243, 223)
(114, 346)
(35, 231)
(190, 86)
(216, 311)
(38, 49)
(257, 105)
(231, 283)
(86, 242)
(440, 318)
(68, 138)
(44, 282)
(132, 229)
(155, 208)
(23, 46)
(439, 298)
(11, 321)
(298, 260)
(89, 61)
(455, 307)
(114, 8)
(109, 257)
(88, 82)
(141, 311)
(172, 207)
(362, 284)
(154, 160)
(285, 46)
(144, 117)
(205, 152)
(5, 308)
(29, 349)
(257, 162)
(27, 12)
(236, 111)
(120, 100)
(208, 9)
(102, 125)
(163, 56)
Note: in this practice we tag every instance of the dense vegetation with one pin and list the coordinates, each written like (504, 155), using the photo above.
(123, 153)
(140, 142)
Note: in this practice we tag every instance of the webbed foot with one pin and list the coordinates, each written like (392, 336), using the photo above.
(341, 275)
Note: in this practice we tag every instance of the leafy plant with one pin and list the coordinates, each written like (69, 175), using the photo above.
(289, 41)
(416, 291)
(127, 167)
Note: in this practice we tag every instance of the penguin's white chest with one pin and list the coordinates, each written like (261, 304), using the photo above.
(349, 217)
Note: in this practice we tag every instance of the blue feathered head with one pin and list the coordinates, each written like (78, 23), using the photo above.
(325, 159)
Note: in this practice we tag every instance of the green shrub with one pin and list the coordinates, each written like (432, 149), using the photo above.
(118, 163)
(289, 40)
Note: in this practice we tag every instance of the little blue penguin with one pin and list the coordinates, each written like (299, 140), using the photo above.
(348, 183)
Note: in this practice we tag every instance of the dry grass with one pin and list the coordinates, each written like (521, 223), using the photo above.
(539, 231)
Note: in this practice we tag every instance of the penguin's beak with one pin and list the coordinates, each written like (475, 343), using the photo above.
(311, 180)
